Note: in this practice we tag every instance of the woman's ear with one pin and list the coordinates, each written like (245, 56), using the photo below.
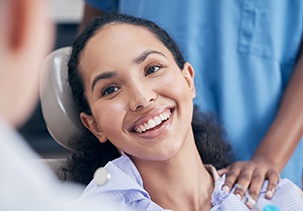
(90, 123)
(189, 74)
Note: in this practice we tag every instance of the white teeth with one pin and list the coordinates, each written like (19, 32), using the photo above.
(162, 117)
(151, 123)
(167, 115)
(157, 120)
(142, 128)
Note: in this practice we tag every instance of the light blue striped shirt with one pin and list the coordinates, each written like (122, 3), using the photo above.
(125, 187)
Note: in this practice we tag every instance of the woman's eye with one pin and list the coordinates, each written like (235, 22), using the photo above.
(109, 90)
(152, 69)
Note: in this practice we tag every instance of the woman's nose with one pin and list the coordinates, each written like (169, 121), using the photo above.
(141, 95)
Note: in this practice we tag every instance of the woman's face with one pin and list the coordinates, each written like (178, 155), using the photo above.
(140, 100)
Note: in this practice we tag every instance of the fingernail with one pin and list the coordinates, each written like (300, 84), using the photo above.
(249, 205)
(269, 194)
(238, 196)
(225, 188)
(250, 202)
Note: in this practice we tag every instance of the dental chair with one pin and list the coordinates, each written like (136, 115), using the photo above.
(58, 109)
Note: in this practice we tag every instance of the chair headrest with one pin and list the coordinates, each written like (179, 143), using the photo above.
(58, 107)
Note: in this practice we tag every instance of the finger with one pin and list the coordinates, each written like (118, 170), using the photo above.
(273, 177)
(231, 178)
(250, 203)
(243, 182)
(222, 171)
(256, 184)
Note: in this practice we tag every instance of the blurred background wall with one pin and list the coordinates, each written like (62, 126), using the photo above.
(66, 15)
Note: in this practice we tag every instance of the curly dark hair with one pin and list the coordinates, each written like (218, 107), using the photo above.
(89, 153)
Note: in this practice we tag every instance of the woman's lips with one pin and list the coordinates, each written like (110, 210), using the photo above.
(155, 130)
(153, 122)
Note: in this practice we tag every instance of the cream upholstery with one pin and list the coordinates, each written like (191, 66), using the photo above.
(58, 108)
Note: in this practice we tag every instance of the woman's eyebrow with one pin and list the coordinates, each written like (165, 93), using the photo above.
(101, 76)
(139, 59)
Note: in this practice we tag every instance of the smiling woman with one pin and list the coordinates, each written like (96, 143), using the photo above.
(135, 93)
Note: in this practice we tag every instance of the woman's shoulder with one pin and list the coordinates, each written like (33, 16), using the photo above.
(123, 177)
(124, 187)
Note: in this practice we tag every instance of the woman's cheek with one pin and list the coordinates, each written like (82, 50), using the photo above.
(111, 114)
(176, 84)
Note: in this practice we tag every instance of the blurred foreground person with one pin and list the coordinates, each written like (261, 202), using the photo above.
(26, 37)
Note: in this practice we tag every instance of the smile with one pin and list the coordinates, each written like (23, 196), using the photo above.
(153, 122)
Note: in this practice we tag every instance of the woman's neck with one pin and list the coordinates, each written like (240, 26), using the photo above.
(181, 183)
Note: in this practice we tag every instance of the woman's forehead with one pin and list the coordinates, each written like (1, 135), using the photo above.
(120, 38)
(118, 33)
